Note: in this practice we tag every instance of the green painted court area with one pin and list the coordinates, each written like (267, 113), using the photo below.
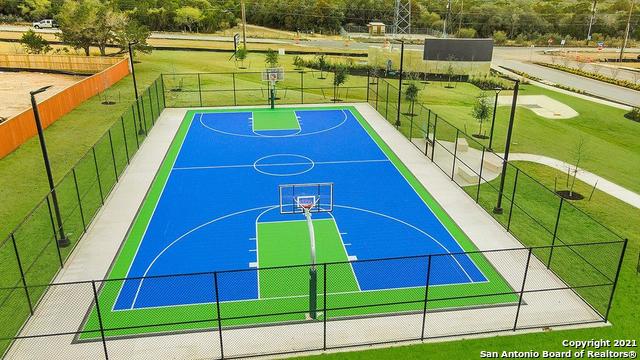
(363, 266)
(276, 119)
(285, 243)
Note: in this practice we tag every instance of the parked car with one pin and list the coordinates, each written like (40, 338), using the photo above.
(46, 23)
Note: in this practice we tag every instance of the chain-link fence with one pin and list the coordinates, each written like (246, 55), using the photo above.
(248, 88)
(208, 314)
(566, 274)
(33, 253)
(533, 213)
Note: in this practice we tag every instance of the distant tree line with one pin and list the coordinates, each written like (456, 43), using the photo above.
(511, 19)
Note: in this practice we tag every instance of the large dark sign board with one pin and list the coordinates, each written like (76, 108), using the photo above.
(458, 49)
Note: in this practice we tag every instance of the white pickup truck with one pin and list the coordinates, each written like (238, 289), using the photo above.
(46, 23)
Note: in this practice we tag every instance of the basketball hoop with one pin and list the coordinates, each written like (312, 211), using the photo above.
(307, 199)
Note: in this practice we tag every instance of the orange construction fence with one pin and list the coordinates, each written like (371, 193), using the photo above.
(18, 129)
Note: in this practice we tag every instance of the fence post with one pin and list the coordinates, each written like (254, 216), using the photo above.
(426, 296)
(555, 232)
(95, 162)
(513, 196)
(386, 110)
(124, 137)
(524, 280)
(426, 136)
(302, 86)
(24, 281)
(433, 141)
(324, 300)
(55, 233)
(455, 155)
(200, 90)
(215, 279)
(155, 83)
(368, 74)
(135, 128)
(480, 175)
(235, 99)
(95, 297)
(113, 156)
(410, 125)
(144, 116)
(153, 117)
(75, 181)
(615, 281)
(377, 91)
(164, 100)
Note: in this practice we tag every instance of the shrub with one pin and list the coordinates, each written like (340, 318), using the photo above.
(634, 114)
(466, 33)
(34, 43)
(499, 37)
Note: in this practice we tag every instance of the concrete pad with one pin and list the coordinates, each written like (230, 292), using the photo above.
(541, 105)
(63, 307)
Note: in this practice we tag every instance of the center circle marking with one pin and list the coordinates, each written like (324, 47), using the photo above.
(283, 165)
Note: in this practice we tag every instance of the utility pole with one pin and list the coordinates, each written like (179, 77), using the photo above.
(460, 16)
(244, 24)
(446, 19)
(593, 16)
(626, 36)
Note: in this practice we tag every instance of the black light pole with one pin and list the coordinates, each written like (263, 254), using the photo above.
(135, 87)
(400, 83)
(63, 240)
(493, 121)
(498, 208)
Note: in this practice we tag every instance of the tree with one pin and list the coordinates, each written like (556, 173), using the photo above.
(271, 59)
(481, 112)
(34, 43)
(411, 94)
(188, 16)
(322, 64)
(108, 23)
(298, 62)
(133, 33)
(76, 19)
(578, 154)
(241, 55)
(451, 71)
(340, 75)
(35, 9)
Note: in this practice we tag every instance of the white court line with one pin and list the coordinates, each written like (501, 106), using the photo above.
(418, 194)
(281, 164)
(415, 228)
(276, 136)
(135, 298)
(146, 228)
(257, 253)
(353, 271)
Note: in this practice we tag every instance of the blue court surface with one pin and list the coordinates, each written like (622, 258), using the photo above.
(222, 187)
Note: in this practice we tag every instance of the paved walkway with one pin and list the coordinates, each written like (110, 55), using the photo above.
(468, 166)
(605, 185)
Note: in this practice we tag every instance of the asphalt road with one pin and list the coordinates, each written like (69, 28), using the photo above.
(519, 59)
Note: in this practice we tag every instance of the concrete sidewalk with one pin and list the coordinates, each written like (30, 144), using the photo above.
(590, 178)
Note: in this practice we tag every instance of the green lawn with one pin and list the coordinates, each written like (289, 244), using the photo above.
(610, 140)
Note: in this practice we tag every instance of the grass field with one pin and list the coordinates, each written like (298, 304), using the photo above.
(611, 151)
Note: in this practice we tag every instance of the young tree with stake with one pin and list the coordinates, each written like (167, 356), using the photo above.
(481, 112)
